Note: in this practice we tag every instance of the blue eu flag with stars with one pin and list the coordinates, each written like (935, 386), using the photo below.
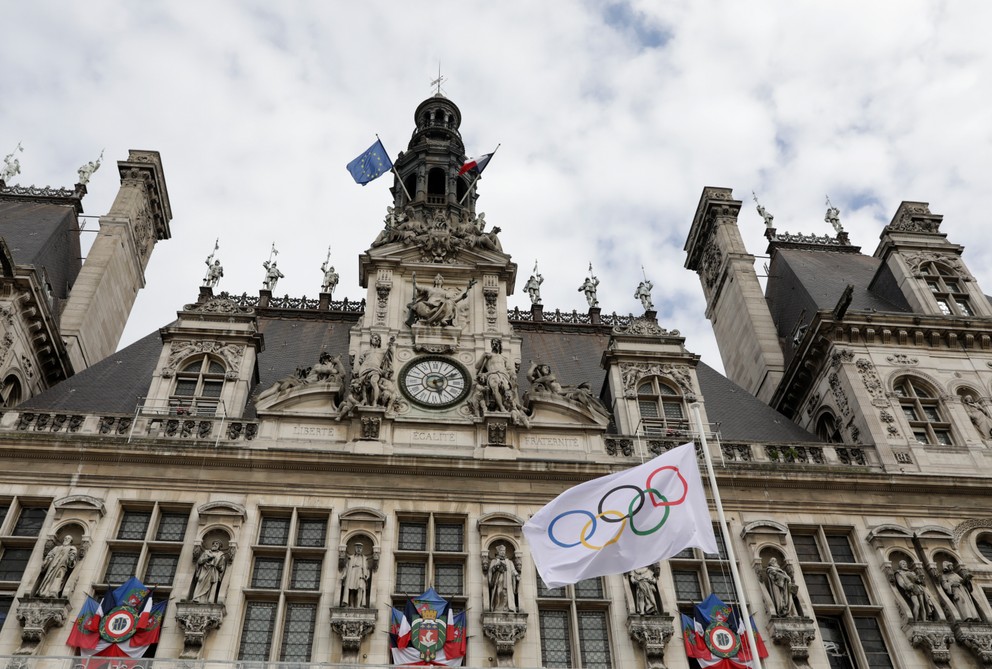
(371, 164)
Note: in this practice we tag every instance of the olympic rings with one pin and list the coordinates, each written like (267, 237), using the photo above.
(634, 506)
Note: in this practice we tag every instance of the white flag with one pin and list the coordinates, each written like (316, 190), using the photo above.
(622, 521)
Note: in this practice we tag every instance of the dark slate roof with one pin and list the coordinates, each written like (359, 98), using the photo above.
(46, 236)
(114, 385)
(802, 282)
(573, 357)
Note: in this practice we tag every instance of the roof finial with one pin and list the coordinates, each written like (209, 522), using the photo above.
(440, 80)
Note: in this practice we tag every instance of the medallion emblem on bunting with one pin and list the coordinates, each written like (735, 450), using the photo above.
(428, 635)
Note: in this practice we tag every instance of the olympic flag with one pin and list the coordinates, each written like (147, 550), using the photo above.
(622, 521)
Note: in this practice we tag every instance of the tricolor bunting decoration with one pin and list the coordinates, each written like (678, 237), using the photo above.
(124, 624)
(716, 637)
(427, 633)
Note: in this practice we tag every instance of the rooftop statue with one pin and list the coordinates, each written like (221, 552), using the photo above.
(833, 216)
(87, 170)
(330, 281)
(11, 165)
(588, 288)
(533, 286)
(643, 293)
(214, 269)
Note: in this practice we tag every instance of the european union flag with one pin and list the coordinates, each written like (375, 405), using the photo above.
(372, 164)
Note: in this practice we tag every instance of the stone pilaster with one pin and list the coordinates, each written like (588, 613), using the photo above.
(504, 629)
(196, 620)
(652, 633)
(352, 625)
(38, 615)
(795, 633)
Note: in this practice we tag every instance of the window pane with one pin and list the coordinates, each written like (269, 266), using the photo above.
(212, 388)
(306, 575)
(5, 604)
(840, 548)
(3, 512)
(684, 554)
(806, 548)
(687, 585)
(590, 588)
(297, 638)
(448, 537)
(556, 648)
(910, 412)
(645, 389)
(921, 391)
(545, 591)
(121, 567)
(931, 413)
(818, 586)
(722, 547)
(161, 569)
(854, 589)
(311, 532)
(410, 577)
(985, 548)
(872, 643)
(256, 637)
(186, 387)
(921, 437)
(413, 537)
(194, 367)
(268, 573)
(30, 521)
(134, 525)
(274, 532)
(722, 584)
(215, 367)
(965, 308)
(595, 645)
(673, 410)
(448, 579)
(835, 643)
(943, 437)
(649, 408)
(172, 527)
(13, 563)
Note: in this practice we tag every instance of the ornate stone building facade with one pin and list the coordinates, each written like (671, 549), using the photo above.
(285, 470)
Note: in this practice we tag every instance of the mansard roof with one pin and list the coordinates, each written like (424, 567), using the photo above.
(46, 236)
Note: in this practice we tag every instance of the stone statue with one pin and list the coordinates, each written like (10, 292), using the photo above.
(214, 274)
(210, 567)
(956, 582)
(373, 366)
(272, 275)
(434, 305)
(11, 165)
(327, 370)
(833, 217)
(331, 277)
(355, 580)
(503, 578)
(493, 371)
(582, 395)
(533, 286)
(643, 293)
(644, 587)
(979, 416)
(769, 219)
(542, 380)
(910, 584)
(781, 588)
(588, 288)
(86, 171)
(59, 562)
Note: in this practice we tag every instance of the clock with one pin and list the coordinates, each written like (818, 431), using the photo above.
(434, 382)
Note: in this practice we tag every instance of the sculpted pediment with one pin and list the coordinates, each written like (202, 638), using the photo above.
(305, 399)
(550, 408)
(471, 261)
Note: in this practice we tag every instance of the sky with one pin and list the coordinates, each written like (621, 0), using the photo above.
(611, 118)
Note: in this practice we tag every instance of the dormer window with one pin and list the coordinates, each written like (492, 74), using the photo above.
(922, 408)
(947, 290)
(662, 408)
(199, 385)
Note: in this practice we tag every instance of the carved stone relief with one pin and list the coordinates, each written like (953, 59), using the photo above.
(870, 378)
(633, 372)
(197, 619)
(902, 359)
(180, 349)
(840, 397)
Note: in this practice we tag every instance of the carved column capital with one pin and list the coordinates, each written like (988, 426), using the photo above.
(504, 629)
(652, 633)
(933, 637)
(38, 615)
(795, 632)
(977, 638)
(196, 619)
(352, 625)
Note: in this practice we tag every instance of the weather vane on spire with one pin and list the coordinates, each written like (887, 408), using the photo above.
(440, 80)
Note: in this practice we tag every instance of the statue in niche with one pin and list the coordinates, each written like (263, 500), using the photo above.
(503, 577)
(588, 288)
(435, 305)
(643, 293)
(533, 286)
(644, 588)
(542, 380)
(59, 563)
(272, 275)
(979, 416)
(781, 588)
(355, 579)
(956, 582)
(371, 380)
(86, 171)
(910, 584)
(210, 567)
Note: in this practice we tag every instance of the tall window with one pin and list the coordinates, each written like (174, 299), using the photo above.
(198, 387)
(20, 526)
(921, 406)
(662, 408)
(696, 575)
(947, 290)
(147, 545)
(826, 428)
(283, 595)
(431, 552)
(10, 391)
(574, 625)
(837, 583)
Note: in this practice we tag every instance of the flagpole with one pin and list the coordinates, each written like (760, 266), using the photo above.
(393, 168)
(477, 177)
(725, 532)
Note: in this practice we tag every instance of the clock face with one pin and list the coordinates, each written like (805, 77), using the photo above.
(434, 382)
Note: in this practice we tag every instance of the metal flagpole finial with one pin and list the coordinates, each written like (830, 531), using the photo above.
(274, 252)
(436, 83)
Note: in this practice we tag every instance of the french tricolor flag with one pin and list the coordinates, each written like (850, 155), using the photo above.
(477, 164)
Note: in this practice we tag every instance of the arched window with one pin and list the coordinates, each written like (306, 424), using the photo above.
(827, 430)
(984, 545)
(436, 186)
(947, 290)
(10, 392)
(662, 407)
(198, 387)
(921, 406)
